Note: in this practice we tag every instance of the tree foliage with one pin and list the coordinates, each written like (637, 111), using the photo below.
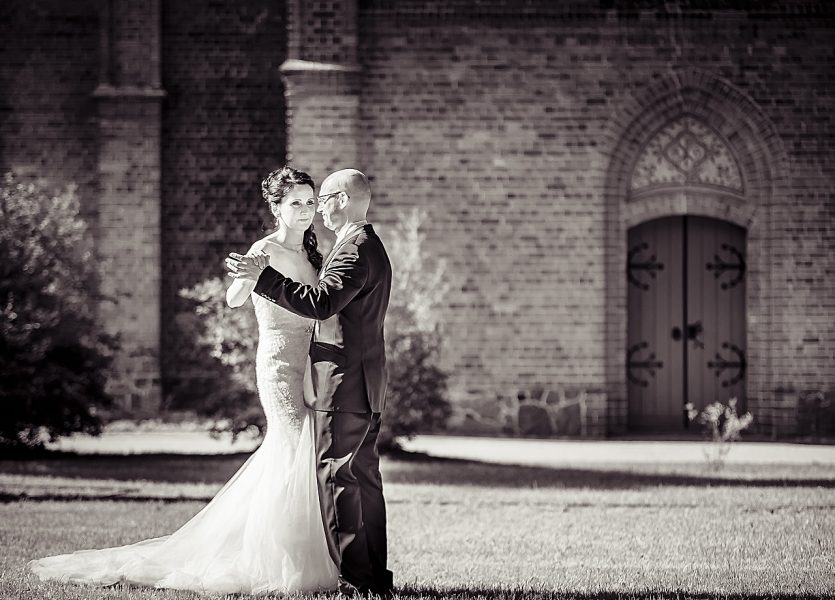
(54, 356)
(229, 336)
(416, 400)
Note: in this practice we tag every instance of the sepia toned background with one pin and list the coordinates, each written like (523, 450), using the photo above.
(596, 175)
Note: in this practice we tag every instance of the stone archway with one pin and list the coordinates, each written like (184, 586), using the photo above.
(751, 141)
(686, 333)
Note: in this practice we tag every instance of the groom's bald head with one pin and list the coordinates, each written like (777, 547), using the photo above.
(355, 184)
(344, 197)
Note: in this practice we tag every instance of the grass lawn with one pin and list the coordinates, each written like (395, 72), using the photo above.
(469, 530)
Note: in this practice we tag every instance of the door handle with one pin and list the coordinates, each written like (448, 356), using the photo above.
(694, 332)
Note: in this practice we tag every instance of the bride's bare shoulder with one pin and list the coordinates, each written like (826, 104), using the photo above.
(264, 244)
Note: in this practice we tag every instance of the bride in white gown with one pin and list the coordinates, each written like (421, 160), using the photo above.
(263, 530)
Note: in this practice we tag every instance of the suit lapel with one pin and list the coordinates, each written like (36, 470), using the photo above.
(367, 228)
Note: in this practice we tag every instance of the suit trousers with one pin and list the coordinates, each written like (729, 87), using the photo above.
(351, 496)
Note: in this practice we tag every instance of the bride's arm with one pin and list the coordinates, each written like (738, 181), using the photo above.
(238, 292)
(240, 289)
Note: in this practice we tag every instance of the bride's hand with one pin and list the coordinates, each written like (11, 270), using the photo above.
(261, 258)
(247, 266)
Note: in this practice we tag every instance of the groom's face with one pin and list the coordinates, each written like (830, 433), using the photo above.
(332, 206)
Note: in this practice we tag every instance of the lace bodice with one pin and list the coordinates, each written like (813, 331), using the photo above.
(283, 345)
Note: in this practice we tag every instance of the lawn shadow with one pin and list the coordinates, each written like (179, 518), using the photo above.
(161, 467)
(419, 468)
(11, 497)
(415, 468)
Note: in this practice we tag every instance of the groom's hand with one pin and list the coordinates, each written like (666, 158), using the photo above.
(247, 266)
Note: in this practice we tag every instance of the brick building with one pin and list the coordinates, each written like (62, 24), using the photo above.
(635, 203)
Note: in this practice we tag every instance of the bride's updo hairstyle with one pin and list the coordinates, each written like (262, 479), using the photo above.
(275, 186)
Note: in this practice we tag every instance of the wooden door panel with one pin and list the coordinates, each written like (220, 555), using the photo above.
(716, 362)
(685, 273)
(654, 361)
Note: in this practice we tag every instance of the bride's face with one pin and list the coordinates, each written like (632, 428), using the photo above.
(297, 208)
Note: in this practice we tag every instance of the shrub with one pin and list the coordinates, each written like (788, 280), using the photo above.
(722, 426)
(416, 398)
(230, 335)
(54, 357)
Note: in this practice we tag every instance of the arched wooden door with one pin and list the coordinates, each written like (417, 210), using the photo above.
(686, 310)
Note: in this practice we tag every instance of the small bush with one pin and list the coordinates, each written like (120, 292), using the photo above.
(416, 393)
(54, 356)
(722, 426)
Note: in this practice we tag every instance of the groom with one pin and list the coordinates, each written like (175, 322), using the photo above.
(348, 361)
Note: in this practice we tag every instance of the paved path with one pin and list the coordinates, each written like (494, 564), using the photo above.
(498, 450)
(147, 442)
(547, 453)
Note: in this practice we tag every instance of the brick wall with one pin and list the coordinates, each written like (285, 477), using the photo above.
(802, 248)
(514, 126)
(128, 100)
(322, 79)
(503, 123)
(48, 71)
(168, 155)
(128, 244)
(78, 106)
(490, 123)
(223, 131)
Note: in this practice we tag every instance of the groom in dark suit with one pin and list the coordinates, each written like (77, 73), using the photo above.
(348, 363)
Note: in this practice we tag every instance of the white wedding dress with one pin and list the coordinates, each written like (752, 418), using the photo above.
(263, 531)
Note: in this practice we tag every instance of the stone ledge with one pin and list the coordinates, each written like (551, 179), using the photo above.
(298, 65)
(105, 90)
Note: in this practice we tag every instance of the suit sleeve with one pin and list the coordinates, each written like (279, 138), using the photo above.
(343, 279)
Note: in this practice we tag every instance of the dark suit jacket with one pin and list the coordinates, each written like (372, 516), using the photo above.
(347, 353)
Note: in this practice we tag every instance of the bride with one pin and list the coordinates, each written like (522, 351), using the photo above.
(263, 531)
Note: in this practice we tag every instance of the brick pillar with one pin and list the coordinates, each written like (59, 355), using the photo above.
(322, 77)
(129, 99)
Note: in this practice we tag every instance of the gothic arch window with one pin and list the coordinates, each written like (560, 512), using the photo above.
(684, 153)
